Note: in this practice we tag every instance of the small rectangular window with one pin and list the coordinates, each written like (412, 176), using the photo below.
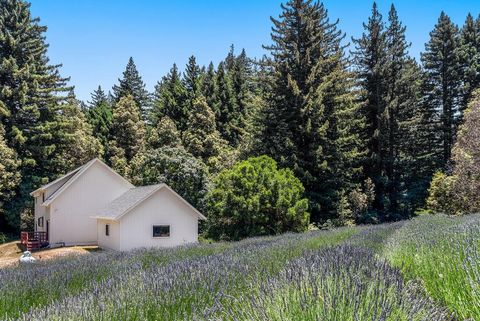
(40, 222)
(107, 229)
(43, 197)
(161, 231)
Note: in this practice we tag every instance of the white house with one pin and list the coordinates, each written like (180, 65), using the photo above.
(95, 205)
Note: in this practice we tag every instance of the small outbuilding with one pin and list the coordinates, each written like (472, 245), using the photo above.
(147, 216)
(95, 205)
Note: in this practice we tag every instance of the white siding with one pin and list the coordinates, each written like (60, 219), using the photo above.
(40, 211)
(70, 213)
(112, 241)
(162, 208)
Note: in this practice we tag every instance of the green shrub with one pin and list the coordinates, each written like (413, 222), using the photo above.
(253, 198)
(441, 197)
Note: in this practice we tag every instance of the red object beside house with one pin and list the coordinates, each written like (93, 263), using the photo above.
(34, 240)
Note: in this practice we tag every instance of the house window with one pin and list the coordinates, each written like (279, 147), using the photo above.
(161, 231)
(107, 229)
(40, 222)
(43, 197)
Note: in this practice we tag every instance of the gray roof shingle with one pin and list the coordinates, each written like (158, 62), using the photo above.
(125, 201)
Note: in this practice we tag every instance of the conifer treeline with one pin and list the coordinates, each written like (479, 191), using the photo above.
(363, 126)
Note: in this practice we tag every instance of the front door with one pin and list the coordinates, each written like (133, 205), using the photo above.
(48, 228)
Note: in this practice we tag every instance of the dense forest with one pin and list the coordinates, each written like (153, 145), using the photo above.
(322, 130)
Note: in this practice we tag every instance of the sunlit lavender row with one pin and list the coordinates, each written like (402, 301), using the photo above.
(358, 273)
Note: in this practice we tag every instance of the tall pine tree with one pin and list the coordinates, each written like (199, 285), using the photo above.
(99, 116)
(132, 84)
(127, 135)
(227, 106)
(443, 88)
(311, 122)
(369, 58)
(469, 59)
(170, 99)
(34, 95)
(192, 78)
(9, 176)
(210, 87)
(202, 139)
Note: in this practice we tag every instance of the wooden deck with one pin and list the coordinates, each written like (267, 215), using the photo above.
(34, 240)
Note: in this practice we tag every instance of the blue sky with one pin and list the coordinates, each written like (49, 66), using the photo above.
(94, 38)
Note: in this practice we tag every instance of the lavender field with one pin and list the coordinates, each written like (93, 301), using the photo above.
(427, 268)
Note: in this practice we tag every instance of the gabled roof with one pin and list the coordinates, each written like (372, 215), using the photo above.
(134, 197)
(72, 177)
(64, 178)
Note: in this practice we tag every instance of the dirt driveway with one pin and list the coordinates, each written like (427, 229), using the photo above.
(11, 252)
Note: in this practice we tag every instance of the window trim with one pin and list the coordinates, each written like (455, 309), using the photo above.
(107, 229)
(40, 221)
(162, 237)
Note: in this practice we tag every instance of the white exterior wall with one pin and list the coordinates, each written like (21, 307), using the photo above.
(42, 210)
(161, 208)
(39, 212)
(112, 241)
(71, 211)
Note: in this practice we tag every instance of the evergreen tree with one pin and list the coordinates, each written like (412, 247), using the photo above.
(226, 112)
(210, 88)
(128, 134)
(192, 78)
(9, 177)
(241, 84)
(132, 84)
(171, 100)
(32, 94)
(470, 58)
(165, 134)
(312, 111)
(201, 138)
(369, 58)
(98, 98)
(443, 88)
(187, 175)
(73, 138)
(99, 116)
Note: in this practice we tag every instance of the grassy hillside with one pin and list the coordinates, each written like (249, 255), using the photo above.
(424, 269)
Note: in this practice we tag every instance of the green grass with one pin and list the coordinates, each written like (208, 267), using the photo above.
(443, 254)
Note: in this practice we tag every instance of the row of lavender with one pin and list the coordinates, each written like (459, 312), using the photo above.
(328, 275)
(443, 253)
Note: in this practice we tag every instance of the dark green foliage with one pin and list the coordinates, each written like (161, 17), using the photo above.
(98, 98)
(364, 139)
(310, 119)
(441, 61)
(253, 198)
(42, 124)
(470, 58)
(227, 105)
(201, 138)
(99, 116)
(192, 78)
(171, 100)
(132, 84)
(210, 88)
(165, 134)
(391, 90)
(9, 178)
(128, 134)
(176, 167)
